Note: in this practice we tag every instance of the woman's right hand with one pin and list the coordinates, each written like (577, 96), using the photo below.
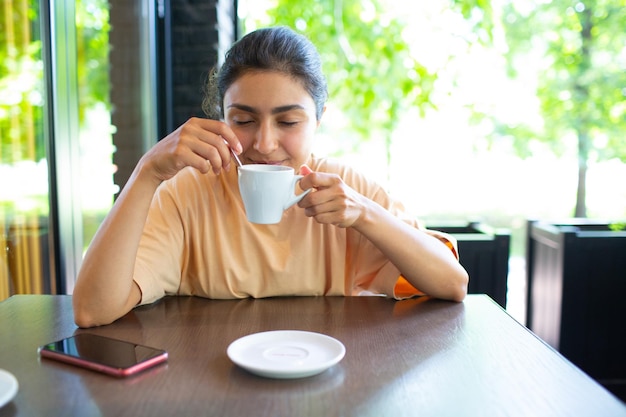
(105, 289)
(200, 143)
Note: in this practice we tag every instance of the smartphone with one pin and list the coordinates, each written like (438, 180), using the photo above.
(103, 354)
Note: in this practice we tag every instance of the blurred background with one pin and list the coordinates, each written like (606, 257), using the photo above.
(467, 110)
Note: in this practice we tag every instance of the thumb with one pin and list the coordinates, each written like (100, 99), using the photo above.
(305, 170)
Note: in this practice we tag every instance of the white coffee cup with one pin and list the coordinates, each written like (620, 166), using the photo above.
(268, 190)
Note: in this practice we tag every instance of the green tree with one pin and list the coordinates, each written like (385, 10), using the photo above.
(22, 77)
(92, 37)
(21, 88)
(372, 75)
(582, 84)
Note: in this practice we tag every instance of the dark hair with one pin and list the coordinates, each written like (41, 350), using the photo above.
(271, 49)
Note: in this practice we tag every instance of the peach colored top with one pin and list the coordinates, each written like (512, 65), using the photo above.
(197, 241)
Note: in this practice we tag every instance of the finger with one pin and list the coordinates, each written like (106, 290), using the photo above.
(182, 158)
(305, 170)
(206, 146)
(199, 163)
(217, 159)
(318, 180)
(323, 200)
(305, 183)
(212, 146)
(224, 132)
(234, 155)
(334, 217)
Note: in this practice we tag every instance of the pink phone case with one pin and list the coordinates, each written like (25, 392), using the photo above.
(160, 357)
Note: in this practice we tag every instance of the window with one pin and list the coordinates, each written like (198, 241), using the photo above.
(62, 88)
(24, 195)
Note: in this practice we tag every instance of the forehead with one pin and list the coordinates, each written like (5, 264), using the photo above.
(267, 89)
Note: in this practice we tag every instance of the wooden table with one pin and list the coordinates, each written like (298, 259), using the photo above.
(415, 357)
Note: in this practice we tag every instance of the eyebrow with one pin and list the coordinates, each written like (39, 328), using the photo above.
(275, 110)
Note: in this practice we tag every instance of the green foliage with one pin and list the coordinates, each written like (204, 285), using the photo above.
(92, 27)
(371, 74)
(617, 227)
(480, 14)
(22, 92)
(581, 88)
(581, 47)
(21, 85)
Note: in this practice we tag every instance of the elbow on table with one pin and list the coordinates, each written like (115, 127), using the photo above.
(457, 289)
(451, 287)
(461, 288)
(84, 321)
(91, 310)
(85, 317)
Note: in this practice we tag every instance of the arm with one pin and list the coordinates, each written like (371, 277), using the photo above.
(423, 260)
(105, 289)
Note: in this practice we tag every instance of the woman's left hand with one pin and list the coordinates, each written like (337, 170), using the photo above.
(333, 201)
(422, 259)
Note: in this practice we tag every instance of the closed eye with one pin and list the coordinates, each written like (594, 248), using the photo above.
(242, 122)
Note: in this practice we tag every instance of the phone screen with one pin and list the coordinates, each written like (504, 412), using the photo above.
(104, 354)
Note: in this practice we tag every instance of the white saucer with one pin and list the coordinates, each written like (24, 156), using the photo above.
(286, 353)
(8, 387)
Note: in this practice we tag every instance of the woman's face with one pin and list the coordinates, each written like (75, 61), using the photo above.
(274, 118)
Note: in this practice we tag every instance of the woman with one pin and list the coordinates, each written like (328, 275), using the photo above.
(179, 226)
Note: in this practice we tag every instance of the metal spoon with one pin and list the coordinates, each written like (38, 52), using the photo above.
(239, 164)
(236, 157)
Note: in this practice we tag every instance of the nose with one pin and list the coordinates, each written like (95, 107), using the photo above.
(266, 139)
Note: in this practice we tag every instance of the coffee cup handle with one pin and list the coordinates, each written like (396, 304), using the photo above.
(293, 199)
